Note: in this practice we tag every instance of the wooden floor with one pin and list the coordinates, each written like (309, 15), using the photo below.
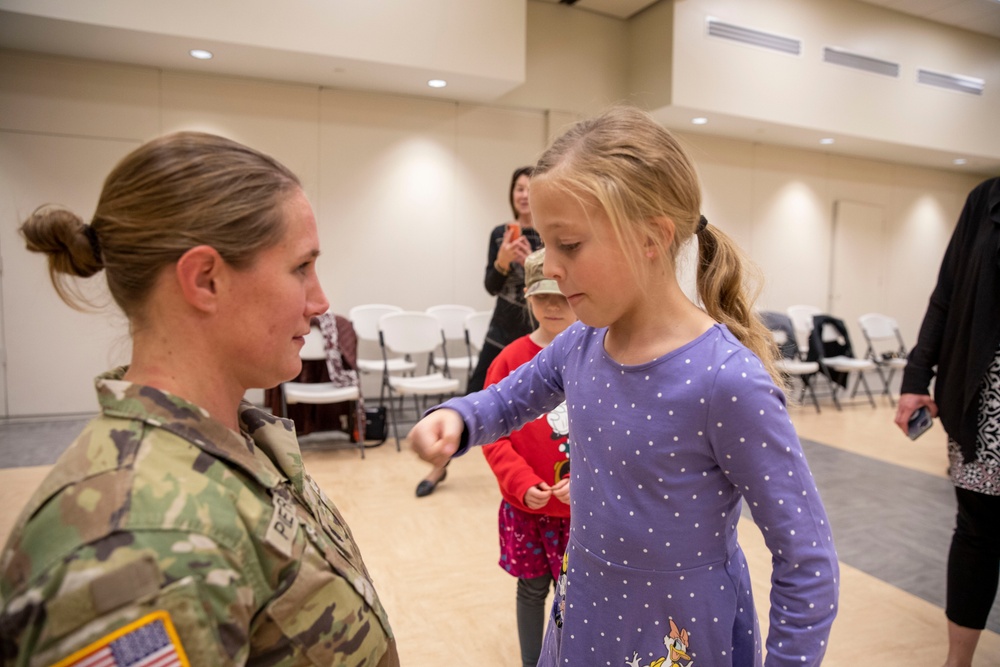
(434, 559)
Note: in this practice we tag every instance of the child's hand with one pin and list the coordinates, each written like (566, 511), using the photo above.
(561, 490)
(436, 437)
(537, 496)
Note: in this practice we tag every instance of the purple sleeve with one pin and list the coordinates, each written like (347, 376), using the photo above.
(530, 391)
(758, 450)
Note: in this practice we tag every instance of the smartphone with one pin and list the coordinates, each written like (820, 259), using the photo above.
(919, 422)
(515, 231)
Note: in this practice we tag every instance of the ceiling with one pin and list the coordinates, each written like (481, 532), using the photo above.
(21, 31)
(982, 16)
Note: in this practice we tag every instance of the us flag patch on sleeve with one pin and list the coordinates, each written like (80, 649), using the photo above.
(151, 641)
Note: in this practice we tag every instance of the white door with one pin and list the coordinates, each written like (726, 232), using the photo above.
(857, 265)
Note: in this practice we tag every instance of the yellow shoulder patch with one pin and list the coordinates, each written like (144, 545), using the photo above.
(151, 641)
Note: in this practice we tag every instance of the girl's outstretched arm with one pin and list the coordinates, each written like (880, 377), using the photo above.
(436, 437)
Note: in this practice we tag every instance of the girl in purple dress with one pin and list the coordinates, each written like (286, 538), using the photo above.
(675, 418)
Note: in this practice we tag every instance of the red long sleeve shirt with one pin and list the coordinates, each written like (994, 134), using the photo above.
(538, 451)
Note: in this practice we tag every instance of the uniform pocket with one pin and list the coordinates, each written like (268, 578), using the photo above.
(329, 611)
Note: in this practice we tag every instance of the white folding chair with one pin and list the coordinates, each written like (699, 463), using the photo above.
(845, 363)
(411, 333)
(885, 347)
(321, 393)
(476, 326)
(365, 320)
(802, 321)
(452, 319)
(793, 366)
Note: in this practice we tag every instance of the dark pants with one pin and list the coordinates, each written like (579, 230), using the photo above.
(974, 559)
(531, 594)
(486, 357)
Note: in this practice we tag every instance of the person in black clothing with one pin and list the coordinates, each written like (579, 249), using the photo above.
(959, 341)
(510, 244)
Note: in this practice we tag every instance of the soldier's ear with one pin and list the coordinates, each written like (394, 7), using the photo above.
(198, 271)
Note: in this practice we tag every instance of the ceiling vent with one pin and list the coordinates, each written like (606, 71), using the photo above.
(764, 40)
(857, 61)
(963, 84)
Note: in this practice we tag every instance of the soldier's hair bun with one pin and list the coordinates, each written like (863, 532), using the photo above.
(71, 245)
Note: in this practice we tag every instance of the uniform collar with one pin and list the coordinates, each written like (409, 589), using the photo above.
(265, 448)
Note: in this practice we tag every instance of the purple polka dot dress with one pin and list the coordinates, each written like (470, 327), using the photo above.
(663, 454)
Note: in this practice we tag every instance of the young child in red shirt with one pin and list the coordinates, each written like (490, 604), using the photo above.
(532, 469)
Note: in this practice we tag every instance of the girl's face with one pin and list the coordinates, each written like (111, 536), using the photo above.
(520, 196)
(583, 256)
(552, 312)
(272, 301)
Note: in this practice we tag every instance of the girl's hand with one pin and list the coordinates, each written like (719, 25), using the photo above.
(436, 437)
(537, 496)
(561, 490)
(910, 403)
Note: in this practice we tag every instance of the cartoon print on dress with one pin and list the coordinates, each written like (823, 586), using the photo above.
(560, 607)
(677, 643)
(558, 420)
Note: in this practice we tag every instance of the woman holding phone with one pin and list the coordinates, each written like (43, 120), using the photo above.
(510, 243)
(959, 348)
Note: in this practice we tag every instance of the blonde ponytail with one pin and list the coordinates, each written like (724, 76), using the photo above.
(728, 285)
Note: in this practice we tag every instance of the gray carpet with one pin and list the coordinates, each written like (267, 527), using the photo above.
(890, 522)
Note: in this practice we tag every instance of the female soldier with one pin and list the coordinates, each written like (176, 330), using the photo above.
(181, 520)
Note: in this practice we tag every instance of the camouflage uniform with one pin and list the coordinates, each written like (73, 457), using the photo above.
(156, 506)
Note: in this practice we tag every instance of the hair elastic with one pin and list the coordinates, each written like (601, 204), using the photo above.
(95, 244)
(702, 224)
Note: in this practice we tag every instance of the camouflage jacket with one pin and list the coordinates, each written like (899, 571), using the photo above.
(158, 515)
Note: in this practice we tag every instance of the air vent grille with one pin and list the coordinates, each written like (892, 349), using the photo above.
(754, 37)
(963, 84)
(857, 61)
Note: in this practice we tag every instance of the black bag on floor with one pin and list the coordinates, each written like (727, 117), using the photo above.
(376, 425)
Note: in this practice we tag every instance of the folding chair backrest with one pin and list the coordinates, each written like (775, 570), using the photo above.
(410, 332)
(783, 332)
(878, 327)
(802, 320)
(315, 347)
(832, 338)
(476, 326)
(365, 319)
(452, 319)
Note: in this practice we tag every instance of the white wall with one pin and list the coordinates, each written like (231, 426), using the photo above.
(576, 60)
(406, 190)
(778, 203)
(802, 91)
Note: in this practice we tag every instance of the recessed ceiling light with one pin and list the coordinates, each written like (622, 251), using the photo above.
(959, 160)
(201, 54)
(826, 141)
(700, 120)
(437, 83)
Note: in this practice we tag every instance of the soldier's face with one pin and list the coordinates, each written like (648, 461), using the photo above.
(274, 299)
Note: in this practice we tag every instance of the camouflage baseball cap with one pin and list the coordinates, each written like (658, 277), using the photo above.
(535, 281)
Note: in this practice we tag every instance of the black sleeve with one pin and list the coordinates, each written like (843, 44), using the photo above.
(494, 279)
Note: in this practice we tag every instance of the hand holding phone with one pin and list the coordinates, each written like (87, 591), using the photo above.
(514, 230)
(919, 422)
